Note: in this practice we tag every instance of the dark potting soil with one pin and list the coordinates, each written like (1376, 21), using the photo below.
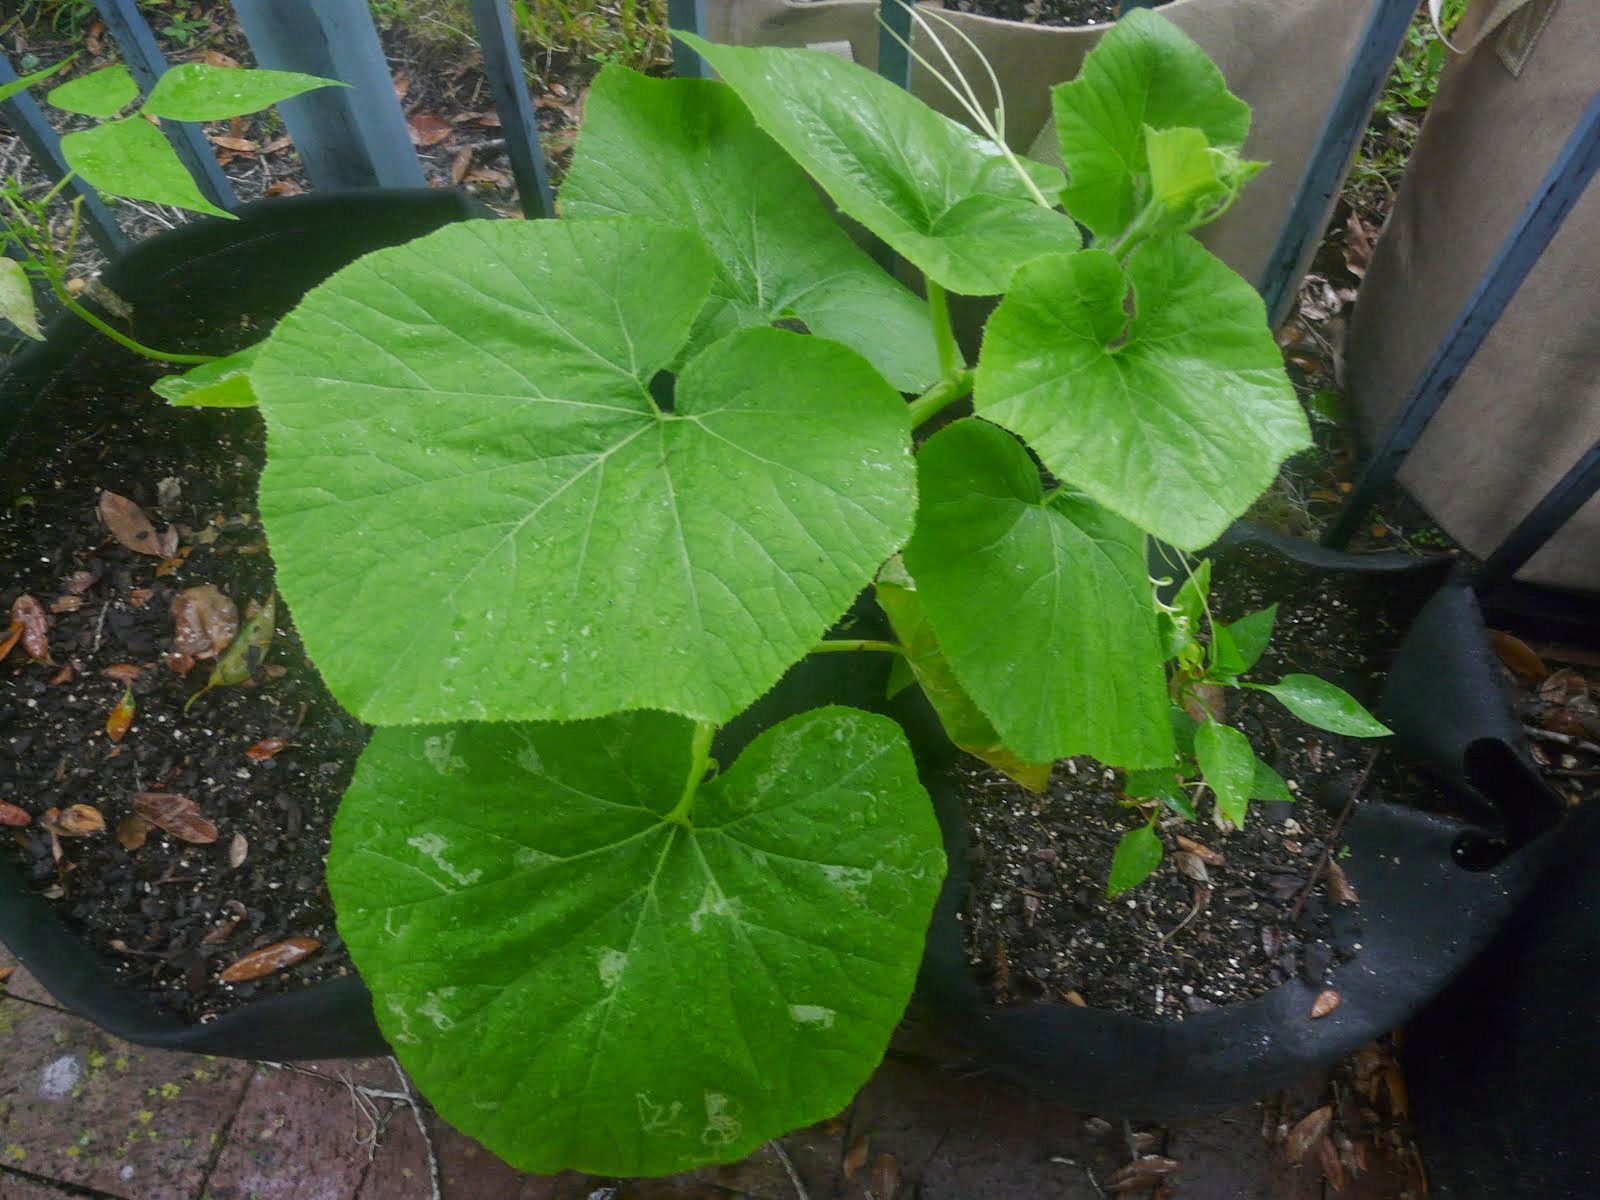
(1043, 12)
(1037, 922)
(169, 915)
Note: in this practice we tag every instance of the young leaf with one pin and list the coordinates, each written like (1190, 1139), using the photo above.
(1325, 705)
(1191, 182)
(1193, 594)
(130, 158)
(941, 195)
(687, 152)
(1043, 606)
(221, 384)
(1191, 389)
(16, 298)
(1138, 854)
(1241, 644)
(17, 86)
(1160, 784)
(963, 721)
(1269, 785)
(703, 984)
(1145, 72)
(103, 93)
(1228, 765)
(463, 426)
(200, 92)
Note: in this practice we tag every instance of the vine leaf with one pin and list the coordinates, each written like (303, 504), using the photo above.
(580, 981)
(221, 384)
(201, 92)
(1229, 766)
(688, 153)
(102, 93)
(1190, 390)
(131, 158)
(1325, 705)
(939, 194)
(1042, 605)
(464, 426)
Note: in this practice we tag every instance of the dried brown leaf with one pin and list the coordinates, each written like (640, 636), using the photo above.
(120, 719)
(428, 130)
(268, 959)
(1518, 656)
(129, 525)
(459, 164)
(284, 187)
(1307, 1132)
(6, 973)
(1340, 889)
(225, 927)
(238, 851)
(67, 603)
(1143, 1172)
(1332, 1168)
(77, 820)
(856, 1157)
(1327, 1000)
(884, 1181)
(178, 664)
(265, 749)
(1565, 684)
(29, 614)
(12, 636)
(122, 672)
(132, 831)
(1204, 853)
(205, 621)
(1192, 865)
(238, 145)
(62, 676)
(402, 85)
(13, 816)
(215, 58)
(177, 815)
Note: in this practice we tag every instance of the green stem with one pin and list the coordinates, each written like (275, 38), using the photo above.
(944, 337)
(1137, 231)
(699, 759)
(122, 339)
(939, 397)
(844, 645)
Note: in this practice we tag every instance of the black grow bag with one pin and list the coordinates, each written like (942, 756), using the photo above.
(197, 280)
(1434, 892)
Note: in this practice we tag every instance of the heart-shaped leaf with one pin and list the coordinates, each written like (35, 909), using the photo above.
(478, 510)
(201, 92)
(578, 976)
(130, 158)
(688, 153)
(1177, 418)
(1043, 605)
(103, 93)
(947, 199)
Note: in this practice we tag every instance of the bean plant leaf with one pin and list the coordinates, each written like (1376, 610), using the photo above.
(947, 199)
(1138, 854)
(963, 721)
(201, 92)
(16, 298)
(1043, 605)
(1228, 765)
(102, 93)
(478, 511)
(688, 153)
(1161, 784)
(22, 84)
(578, 980)
(1325, 705)
(131, 158)
(1241, 644)
(1189, 391)
(1269, 785)
(1145, 73)
(221, 384)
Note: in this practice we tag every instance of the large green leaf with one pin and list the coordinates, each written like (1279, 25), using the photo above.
(1043, 605)
(963, 721)
(687, 152)
(1144, 72)
(944, 197)
(579, 981)
(1177, 417)
(478, 511)
(130, 158)
(200, 92)
(102, 93)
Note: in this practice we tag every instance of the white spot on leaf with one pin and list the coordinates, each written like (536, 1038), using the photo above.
(812, 1014)
(720, 1127)
(434, 846)
(612, 964)
(657, 1118)
(713, 904)
(437, 751)
(433, 1008)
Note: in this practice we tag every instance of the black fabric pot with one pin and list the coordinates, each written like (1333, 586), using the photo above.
(187, 287)
(1427, 912)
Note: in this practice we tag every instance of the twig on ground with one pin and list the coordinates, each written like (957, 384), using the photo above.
(1560, 739)
(422, 1128)
(788, 1169)
(1333, 836)
(1084, 1167)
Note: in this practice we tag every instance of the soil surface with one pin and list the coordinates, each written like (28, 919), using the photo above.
(169, 914)
(1044, 12)
(1038, 924)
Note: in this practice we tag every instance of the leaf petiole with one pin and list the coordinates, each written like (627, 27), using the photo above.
(939, 397)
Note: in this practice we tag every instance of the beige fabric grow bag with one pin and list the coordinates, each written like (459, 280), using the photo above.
(1528, 405)
(1286, 57)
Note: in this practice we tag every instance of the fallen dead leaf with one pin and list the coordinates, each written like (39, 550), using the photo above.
(177, 815)
(139, 597)
(238, 851)
(35, 624)
(178, 664)
(1340, 889)
(1327, 1000)
(459, 164)
(67, 603)
(13, 635)
(121, 717)
(427, 130)
(265, 749)
(269, 959)
(856, 1157)
(225, 927)
(215, 58)
(62, 676)
(1564, 685)
(1204, 853)
(76, 820)
(1357, 247)
(129, 525)
(132, 831)
(1192, 865)
(284, 187)
(239, 661)
(884, 1181)
(6, 973)
(238, 145)
(402, 85)
(277, 144)
(1143, 1172)
(122, 672)
(1332, 1168)
(1307, 1132)
(78, 582)
(1518, 656)
(13, 816)
(205, 621)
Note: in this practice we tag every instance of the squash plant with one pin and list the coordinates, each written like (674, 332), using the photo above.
(553, 502)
